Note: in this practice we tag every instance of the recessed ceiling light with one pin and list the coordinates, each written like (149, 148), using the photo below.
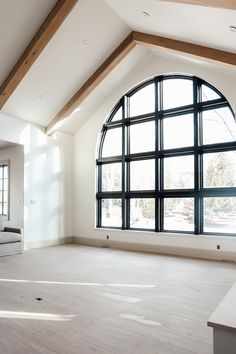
(145, 14)
(84, 42)
(232, 28)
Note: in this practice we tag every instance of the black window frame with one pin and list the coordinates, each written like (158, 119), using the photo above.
(5, 166)
(197, 150)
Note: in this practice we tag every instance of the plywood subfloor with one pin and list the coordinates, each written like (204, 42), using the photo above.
(107, 301)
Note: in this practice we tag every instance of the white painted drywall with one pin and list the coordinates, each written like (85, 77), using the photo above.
(15, 155)
(84, 183)
(47, 181)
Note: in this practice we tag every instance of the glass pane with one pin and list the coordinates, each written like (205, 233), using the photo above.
(5, 196)
(5, 184)
(5, 211)
(220, 214)
(113, 143)
(179, 172)
(142, 175)
(177, 92)
(220, 169)
(142, 213)
(1, 211)
(179, 214)
(111, 177)
(111, 212)
(118, 115)
(209, 94)
(143, 101)
(5, 171)
(178, 131)
(218, 126)
(1, 172)
(142, 137)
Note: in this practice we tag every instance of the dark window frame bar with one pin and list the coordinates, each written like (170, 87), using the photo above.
(4, 165)
(197, 150)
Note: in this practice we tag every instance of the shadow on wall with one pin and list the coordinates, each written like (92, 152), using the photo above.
(43, 188)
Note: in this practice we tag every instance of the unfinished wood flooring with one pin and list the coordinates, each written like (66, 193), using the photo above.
(105, 301)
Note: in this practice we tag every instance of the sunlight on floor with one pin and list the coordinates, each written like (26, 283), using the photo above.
(35, 316)
(76, 283)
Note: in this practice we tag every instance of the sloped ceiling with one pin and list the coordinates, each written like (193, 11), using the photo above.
(86, 38)
(19, 21)
(83, 42)
(196, 24)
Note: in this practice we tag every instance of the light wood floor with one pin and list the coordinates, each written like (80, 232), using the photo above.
(105, 301)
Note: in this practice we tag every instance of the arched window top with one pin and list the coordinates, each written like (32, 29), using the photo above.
(167, 159)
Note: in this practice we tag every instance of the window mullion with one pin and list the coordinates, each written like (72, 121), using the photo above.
(125, 171)
(197, 157)
(99, 189)
(159, 164)
(2, 189)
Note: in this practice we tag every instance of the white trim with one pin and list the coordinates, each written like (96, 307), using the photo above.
(47, 243)
(209, 254)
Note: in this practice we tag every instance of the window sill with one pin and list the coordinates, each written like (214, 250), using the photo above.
(166, 234)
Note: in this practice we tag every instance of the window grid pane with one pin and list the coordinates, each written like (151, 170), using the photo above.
(111, 212)
(142, 213)
(111, 177)
(113, 143)
(182, 124)
(218, 126)
(179, 172)
(179, 214)
(219, 169)
(220, 214)
(142, 175)
(143, 101)
(142, 137)
(177, 92)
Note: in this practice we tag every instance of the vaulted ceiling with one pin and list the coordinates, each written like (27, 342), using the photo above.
(79, 37)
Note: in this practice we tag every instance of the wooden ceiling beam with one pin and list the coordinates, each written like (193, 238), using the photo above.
(185, 47)
(97, 77)
(225, 4)
(46, 31)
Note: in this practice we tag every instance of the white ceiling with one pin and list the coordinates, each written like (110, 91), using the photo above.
(196, 24)
(171, 54)
(19, 20)
(67, 61)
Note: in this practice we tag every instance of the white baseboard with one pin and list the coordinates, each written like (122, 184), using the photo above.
(208, 254)
(47, 243)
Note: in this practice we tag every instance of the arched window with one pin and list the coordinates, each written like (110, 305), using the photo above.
(167, 159)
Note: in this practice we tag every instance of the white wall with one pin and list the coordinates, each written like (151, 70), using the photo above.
(47, 181)
(84, 171)
(15, 155)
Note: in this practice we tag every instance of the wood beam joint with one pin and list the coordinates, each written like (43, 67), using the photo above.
(185, 47)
